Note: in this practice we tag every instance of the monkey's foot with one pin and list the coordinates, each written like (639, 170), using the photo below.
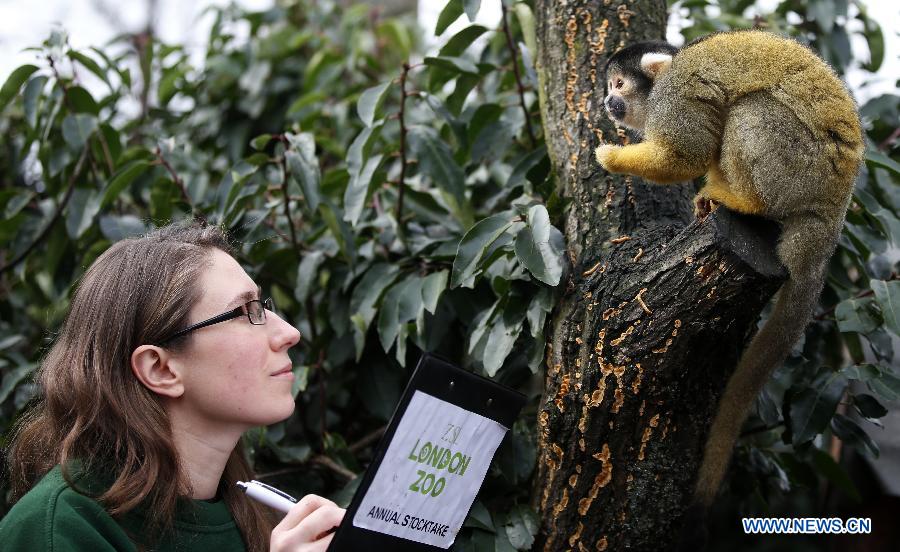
(604, 154)
(703, 207)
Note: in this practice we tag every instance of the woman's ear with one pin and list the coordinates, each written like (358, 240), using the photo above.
(154, 367)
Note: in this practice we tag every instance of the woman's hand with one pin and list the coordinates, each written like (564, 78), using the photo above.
(307, 526)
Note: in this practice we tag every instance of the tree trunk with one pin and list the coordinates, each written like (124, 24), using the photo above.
(657, 309)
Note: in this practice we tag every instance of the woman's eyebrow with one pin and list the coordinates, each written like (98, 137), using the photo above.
(243, 298)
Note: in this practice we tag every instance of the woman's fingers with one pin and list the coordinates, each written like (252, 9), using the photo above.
(319, 523)
(307, 505)
(307, 525)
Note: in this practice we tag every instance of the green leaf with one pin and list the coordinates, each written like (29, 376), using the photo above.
(89, 64)
(304, 167)
(473, 245)
(30, 98)
(14, 82)
(479, 517)
(825, 464)
(436, 160)
(370, 101)
(168, 84)
(521, 527)
(82, 101)
(822, 12)
(875, 38)
(814, 406)
(388, 328)
(12, 378)
(526, 21)
(886, 385)
(540, 306)
(358, 189)
(456, 64)
(122, 180)
(461, 40)
(16, 204)
(83, 207)
(868, 406)
(432, 288)
(78, 128)
(849, 432)
(504, 332)
(881, 160)
(448, 15)
(259, 143)
(862, 372)
(370, 287)
(118, 227)
(301, 377)
(525, 164)
(540, 247)
(887, 294)
(853, 315)
(471, 7)
(306, 274)
(397, 37)
(9, 342)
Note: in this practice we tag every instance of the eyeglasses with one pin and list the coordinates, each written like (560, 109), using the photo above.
(255, 311)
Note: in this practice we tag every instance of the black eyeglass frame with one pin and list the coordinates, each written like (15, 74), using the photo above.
(266, 304)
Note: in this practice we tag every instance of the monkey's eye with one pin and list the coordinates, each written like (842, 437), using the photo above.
(619, 83)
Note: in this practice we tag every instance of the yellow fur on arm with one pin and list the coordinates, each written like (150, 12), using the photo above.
(647, 160)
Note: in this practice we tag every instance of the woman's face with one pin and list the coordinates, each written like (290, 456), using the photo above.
(235, 374)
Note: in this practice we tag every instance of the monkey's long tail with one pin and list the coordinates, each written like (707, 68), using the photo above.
(806, 244)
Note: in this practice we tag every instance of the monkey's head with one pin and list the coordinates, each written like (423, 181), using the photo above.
(630, 74)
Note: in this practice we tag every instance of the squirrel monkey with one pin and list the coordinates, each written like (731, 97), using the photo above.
(777, 135)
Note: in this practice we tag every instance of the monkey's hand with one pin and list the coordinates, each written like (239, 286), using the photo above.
(606, 155)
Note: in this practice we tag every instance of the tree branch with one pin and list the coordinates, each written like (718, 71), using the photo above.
(160, 160)
(515, 65)
(403, 130)
(70, 187)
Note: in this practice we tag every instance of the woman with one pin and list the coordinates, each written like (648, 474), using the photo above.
(167, 357)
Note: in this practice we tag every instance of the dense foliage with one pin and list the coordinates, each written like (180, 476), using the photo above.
(392, 203)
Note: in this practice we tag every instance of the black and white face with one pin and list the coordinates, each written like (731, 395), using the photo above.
(626, 100)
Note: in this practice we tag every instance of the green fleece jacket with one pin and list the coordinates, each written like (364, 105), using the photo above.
(55, 517)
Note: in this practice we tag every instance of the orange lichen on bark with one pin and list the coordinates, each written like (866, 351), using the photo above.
(615, 342)
(641, 302)
(591, 270)
(648, 431)
(563, 390)
(620, 239)
(609, 312)
(602, 544)
(582, 422)
(604, 476)
(624, 14)
(572, 76)
(573, 538)
(636, 384)
(563, 502)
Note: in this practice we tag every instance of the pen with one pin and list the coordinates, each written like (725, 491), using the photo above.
(268, 495)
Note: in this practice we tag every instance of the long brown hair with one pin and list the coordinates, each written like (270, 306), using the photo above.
(94, 410)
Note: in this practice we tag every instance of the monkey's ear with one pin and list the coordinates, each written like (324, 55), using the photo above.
(654, 64)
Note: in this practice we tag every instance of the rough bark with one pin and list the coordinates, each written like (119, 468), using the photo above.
(656, 312)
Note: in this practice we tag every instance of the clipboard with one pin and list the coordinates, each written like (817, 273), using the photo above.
(433, 378)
